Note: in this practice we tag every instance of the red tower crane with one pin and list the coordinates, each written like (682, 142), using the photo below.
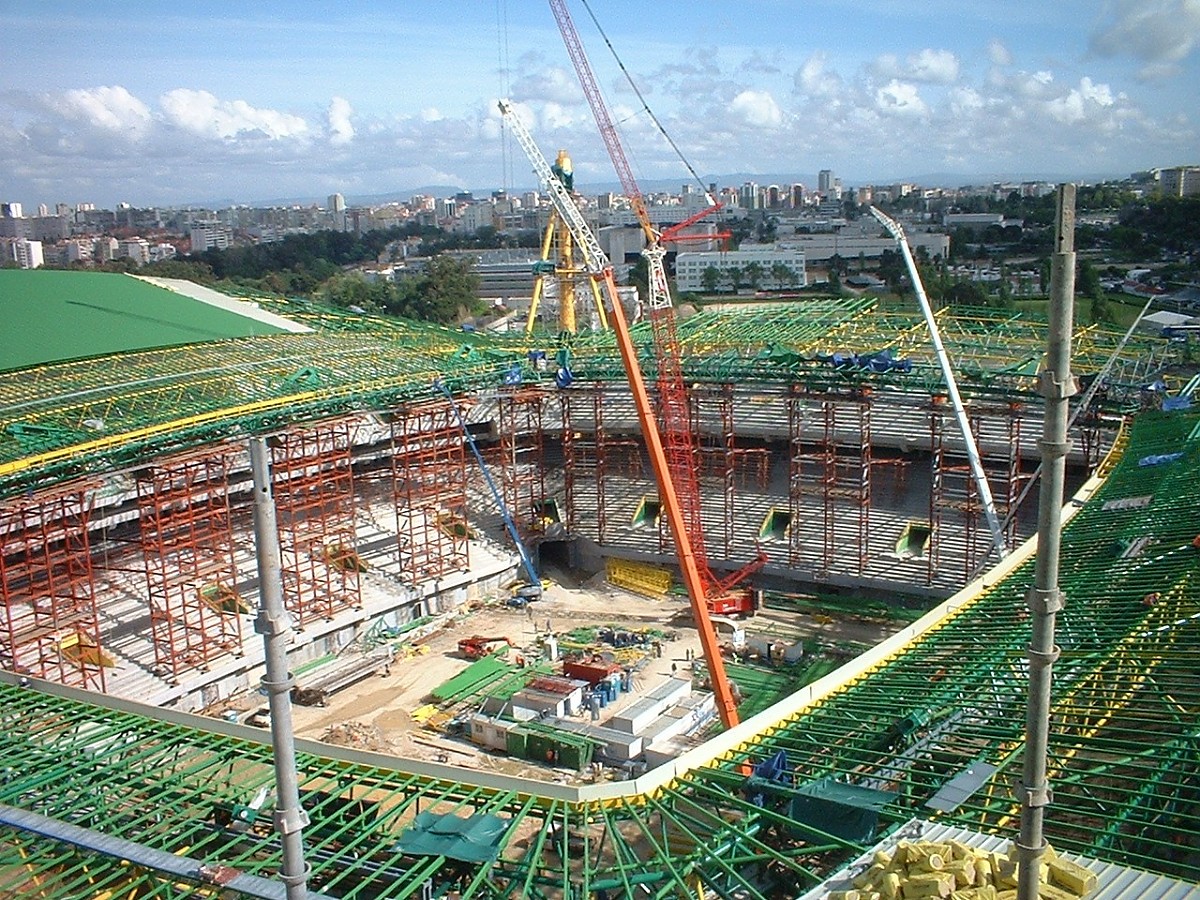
(674, 408)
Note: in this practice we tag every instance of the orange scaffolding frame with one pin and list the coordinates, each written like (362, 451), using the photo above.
(51, 626)
(313, 480)
(429, 488)
(186, 536)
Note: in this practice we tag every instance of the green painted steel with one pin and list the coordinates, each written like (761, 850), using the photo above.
(52, 316)
(1125, 758)
(70, 419)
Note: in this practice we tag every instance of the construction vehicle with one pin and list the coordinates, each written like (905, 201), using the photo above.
(478, 646)
(720, 594)
(602, 271)
(531, 588)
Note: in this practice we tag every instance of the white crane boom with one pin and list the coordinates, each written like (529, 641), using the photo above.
(960, 412)
(564, 203)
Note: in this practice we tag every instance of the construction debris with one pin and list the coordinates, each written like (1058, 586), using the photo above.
(357, 735)
(951, 869)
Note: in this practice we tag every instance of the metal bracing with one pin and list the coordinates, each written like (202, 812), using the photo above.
(50, 626)
(186, 536)
(1122, 744)
(60, 420)
(521, 433)
(314, 495)
(830, 437)
(429, 490)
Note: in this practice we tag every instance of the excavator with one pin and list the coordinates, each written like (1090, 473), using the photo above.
(478, 646)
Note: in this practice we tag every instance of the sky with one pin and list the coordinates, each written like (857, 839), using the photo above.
(205, 102)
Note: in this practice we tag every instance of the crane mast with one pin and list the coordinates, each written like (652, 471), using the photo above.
(674, 406)
(602, 271)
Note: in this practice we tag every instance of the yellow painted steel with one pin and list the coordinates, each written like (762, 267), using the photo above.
(641, 578)
(161, 428)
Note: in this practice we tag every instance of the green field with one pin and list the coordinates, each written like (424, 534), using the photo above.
(50, 316)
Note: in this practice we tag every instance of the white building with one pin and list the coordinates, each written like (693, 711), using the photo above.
(137, 249)
(105, 249)
(162, 251)
(28, 254)
(1181, 181)
(823, 247)
(780, 267)
(79, 251)
(209, 236)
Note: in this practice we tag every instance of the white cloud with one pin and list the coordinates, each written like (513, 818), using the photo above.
(112, 108)
(999, 54)
(934, 66)
(1158, 32)
(431, 114)
(901, 99)
(202, 113)
(341, 129)
(927, 66)
(1081, 103)
(757, 108)
(815, 80)
(965, 100)
(552, 84)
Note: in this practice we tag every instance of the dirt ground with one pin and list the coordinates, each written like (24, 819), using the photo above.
(376, 713)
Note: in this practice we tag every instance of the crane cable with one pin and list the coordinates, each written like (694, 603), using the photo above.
(506, 163)
(645, 105)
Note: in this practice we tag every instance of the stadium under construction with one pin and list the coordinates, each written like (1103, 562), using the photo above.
(826, 448)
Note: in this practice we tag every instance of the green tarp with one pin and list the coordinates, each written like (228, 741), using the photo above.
(842, 810)
(475, 839)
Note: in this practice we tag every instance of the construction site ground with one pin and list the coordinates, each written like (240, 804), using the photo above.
(377, 713)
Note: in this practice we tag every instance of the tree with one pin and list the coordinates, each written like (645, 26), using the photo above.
(710, 278)
(837, 265)
(754, 274)
(733, 274)
(639, 277)
(1087, 281)
(966, 293)
(784, 275)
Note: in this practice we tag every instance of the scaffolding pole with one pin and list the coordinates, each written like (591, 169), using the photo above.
(273, 624)
(1044, 599)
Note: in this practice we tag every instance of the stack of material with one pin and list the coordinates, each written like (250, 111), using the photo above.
(917, 870)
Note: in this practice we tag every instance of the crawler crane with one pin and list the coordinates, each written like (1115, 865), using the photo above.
(674, 408)
(601, 270)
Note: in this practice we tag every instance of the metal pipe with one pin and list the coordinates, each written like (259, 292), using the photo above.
(960, 412)
(1044, 599)
(274, 625)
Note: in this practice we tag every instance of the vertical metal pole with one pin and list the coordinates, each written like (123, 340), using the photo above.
(1044, 599)
(273, 624)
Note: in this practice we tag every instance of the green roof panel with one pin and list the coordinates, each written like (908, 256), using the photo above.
(53, 316)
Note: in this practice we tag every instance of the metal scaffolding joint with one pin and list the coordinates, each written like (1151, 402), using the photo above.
(1045, 602)
(1053, 389)
(267, 624)
(1054, 449)
(1039, 658)
(1039, 795)
(278, 687)
(290, 821)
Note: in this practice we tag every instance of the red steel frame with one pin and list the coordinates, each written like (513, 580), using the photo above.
(314, 499)
(186, 536)
(429, 481)
(51, 626)
(522, 467)
(842, 468)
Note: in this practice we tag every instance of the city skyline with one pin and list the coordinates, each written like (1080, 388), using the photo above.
(275, 101)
